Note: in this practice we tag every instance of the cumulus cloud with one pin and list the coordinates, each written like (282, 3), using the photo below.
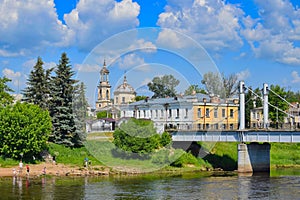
(296, 77)
(93, 21)
(87, 67)
(243, 75)
(130, 60)
(275, 34)
(29, 25)
(14, 76)
(214, 24)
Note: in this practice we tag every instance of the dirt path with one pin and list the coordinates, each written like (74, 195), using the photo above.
(40, 169)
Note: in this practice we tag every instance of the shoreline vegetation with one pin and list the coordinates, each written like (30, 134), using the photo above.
(222, 157)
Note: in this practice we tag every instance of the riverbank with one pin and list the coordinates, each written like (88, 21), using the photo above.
(36, 170)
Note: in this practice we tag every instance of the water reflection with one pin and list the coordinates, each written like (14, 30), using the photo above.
(186, 186)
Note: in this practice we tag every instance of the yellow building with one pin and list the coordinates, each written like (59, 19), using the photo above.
(216, 114)
(256, 117)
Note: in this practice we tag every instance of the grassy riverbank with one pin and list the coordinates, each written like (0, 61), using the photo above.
(222, 155)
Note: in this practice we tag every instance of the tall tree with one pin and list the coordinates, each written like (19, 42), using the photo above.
(61, 110)
(194, 89)
(163, 86)
(274, 113)
(219, 84)
(5, 97)
(37, 90)
(80, 106)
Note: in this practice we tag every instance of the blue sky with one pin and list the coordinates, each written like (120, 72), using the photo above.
(257, 40)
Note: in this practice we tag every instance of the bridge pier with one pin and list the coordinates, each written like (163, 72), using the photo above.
(254, 157)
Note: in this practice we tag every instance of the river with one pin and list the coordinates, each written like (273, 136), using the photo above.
(280, 184)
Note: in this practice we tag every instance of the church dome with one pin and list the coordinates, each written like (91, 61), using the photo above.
(124, 88)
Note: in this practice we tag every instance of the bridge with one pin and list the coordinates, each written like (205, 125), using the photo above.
(252, 157)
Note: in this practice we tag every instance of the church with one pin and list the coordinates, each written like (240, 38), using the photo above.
(123, 95)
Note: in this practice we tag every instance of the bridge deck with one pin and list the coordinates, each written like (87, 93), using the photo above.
(237, 136)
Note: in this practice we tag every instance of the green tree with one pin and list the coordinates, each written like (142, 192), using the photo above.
(24, 130)
(38, 82)
(138, 136)
(278, 102)
(139, 98)
(5, 97)
(103, 114)
(63, 87)
(163, 86)
(80, 106)
(219, 84)
(194, 89)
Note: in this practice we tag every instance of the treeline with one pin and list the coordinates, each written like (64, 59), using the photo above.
(53, 109)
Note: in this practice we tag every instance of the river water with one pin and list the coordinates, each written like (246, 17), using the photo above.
(280, 184)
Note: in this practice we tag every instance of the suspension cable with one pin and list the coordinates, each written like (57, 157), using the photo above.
(282, 98)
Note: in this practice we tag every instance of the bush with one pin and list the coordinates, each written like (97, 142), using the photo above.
(185, 159)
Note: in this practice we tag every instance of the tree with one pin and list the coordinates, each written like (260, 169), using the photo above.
(24, 130)
(37, 90)
(194, 89)
(163, 86)
(103, 114)
(139, 98)
(5, 97)
(274, 100)
(219, 84)
(80, 105)
(139, 136)
(61, 110)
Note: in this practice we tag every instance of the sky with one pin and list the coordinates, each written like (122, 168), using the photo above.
(259, 41)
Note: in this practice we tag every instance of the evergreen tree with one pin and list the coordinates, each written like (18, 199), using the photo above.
(80, 105)
(61, 110)
(37, 90)
(5, 97)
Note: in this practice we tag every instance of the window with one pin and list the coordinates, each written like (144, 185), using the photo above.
(134, 112)
(199, 126)
(123, 99)
(144, 113)
(150, 114)
(207, 112)
(139, 114)
(117, 100)
(231, 113)
(199, 112)
(223, 126)
(215, 112)
(231, 126)
(223, 113)
(170, 113)
(177, 113)
(207, 126)
(216, 126)
(161, 113)
(186, 112)
(156, 113)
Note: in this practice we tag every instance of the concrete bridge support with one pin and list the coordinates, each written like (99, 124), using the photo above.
(254, 157)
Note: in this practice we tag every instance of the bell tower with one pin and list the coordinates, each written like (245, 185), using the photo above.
(103, 89)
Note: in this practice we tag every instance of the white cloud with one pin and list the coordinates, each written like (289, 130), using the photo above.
(171, 39)
(30, 25)
(130, 60)
(14, 76)
(243, 75)
(87, 67)
(93, 21)
(275, 34)
(144, 46)
(295, 76)
(214, 24)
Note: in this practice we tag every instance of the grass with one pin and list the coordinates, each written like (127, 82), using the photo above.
(285, 154)
(72, 156)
